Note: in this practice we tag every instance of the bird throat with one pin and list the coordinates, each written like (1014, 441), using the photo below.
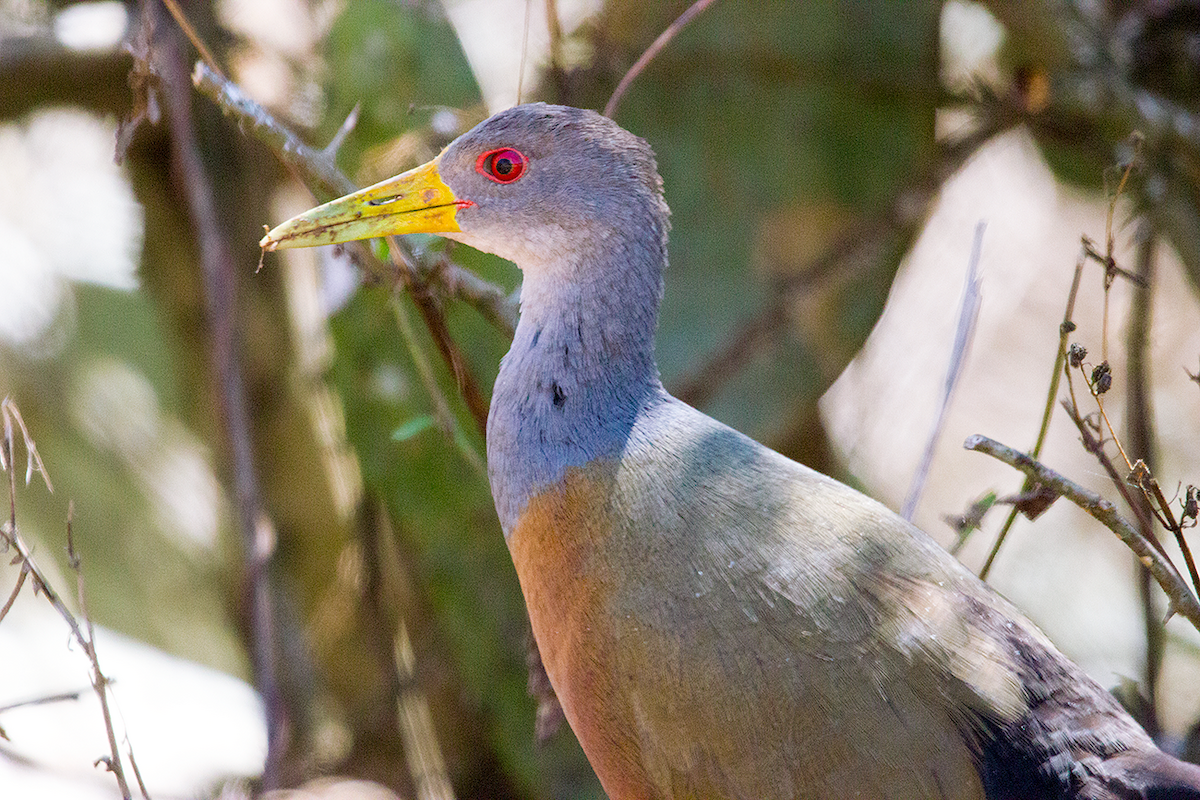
(580, 370)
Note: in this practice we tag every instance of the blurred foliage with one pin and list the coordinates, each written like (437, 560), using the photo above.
(399, 64)
(768, 118)
(780, 126)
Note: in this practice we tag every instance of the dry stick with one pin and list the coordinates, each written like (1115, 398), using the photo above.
(1139, 421)
(1158, 504)
(1065, 328)
(653, 50)
(1109, 261)
(99, 681)
(220, 298)
(10, 537)
(1095, 446)
(964, 332)
(1181, 599)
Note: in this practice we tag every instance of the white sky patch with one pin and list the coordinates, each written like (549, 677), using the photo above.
(971, 37)
(91, 26)
(189, 726)
(491, 32)
(66, 214)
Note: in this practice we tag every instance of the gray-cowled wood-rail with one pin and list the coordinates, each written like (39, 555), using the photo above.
(718, 621)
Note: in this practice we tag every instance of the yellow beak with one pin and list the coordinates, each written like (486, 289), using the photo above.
(417, 201)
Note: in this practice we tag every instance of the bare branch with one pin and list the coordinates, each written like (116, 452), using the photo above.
(10, 537)
(1065, 329)
(219, 281)
(99, 680)
(656, 47)
(1180, 598)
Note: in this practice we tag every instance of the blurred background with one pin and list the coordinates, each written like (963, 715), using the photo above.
(826, 163)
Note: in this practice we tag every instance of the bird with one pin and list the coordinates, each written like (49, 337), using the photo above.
(718, 621)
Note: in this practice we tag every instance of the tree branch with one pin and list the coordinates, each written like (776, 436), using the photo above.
(220, 299)
(1180, 597)
(317, 170)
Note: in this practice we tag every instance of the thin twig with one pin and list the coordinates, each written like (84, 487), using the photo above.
(664, 38)
(1065, 329)
(442, 411)
(137, 771)
(431, 312)
(12, 597)
(344, 130)
(193, 37)
(60, 697)
(1180, 598)
(557, 70)
(99, 681)
(1142, 477)
(1095, 446)
(10, 538)
(220, 298)
(1109, 260)
(33, 459)
(1139, 421)
(964, 332)
(524, 50)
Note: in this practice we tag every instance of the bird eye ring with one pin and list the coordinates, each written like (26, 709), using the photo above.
(504, 165)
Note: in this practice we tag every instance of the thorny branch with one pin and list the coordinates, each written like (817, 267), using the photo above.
(10, 539)
(317, 170)
(429, 280)
(1181, 599)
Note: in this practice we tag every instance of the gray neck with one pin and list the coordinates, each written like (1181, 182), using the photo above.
(580, 369)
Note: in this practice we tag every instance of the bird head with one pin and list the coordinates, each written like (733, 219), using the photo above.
(534, 184)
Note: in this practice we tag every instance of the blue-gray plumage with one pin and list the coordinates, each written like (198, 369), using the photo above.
(719, 621)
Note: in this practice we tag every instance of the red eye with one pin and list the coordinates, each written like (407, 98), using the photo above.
(502, 166)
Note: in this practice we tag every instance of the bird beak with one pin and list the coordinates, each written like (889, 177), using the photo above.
(418, 201)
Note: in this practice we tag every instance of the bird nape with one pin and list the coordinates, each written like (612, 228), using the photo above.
(718, 621)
